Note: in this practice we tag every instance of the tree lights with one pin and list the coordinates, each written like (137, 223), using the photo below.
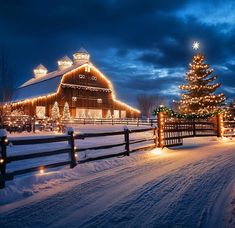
(66, 112)
(55, 111)
(199, 97)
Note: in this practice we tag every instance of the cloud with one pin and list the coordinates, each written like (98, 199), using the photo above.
(142, 47)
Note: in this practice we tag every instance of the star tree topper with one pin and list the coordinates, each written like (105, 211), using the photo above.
(196, 45)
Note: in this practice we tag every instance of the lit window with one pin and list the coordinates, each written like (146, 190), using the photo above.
(87, 69)
(82, 76)
(99, 101)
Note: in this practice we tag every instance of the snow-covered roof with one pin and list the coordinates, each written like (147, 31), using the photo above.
(41, 67)
(65, 59)
(83, 50)
(41, 86)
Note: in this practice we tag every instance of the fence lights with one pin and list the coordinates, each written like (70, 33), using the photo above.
(41, 170)
(6, 140)
(1, 160)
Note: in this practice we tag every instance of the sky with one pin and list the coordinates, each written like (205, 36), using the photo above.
(142, 46)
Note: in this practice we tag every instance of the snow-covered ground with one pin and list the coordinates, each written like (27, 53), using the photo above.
(188, 186)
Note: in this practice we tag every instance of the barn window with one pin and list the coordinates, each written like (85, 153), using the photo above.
(40, 112)
(89, 113)
(116, 114)
(74, 98)
(99, 101)
(123, 114)
(82, 76)
(87, 69)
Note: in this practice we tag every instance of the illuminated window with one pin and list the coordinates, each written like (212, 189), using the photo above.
(99, 101)
(116, 114)
(123, 114)
(87, 69)
(82, 76)
(40, 112)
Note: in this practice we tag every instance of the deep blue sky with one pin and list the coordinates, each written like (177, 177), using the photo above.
(143, 46)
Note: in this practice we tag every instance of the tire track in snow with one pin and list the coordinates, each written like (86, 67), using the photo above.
(171, 203)
(133, 191)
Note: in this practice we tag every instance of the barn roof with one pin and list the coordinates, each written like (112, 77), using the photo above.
(41, 86)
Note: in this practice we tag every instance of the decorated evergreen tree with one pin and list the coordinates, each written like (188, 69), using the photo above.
(108, 115)
(66, 112)
(55, 111)
(200, 97)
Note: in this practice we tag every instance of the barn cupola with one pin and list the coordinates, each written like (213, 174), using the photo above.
(40, 71)
(81, 57)
(64, 63)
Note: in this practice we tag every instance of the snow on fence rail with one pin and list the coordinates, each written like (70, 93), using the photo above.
(26, 123)
(71, 149)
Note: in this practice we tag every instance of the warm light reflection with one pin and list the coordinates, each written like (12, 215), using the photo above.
(41, 170)
(157, 151)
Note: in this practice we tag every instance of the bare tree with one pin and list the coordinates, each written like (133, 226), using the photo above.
(147, 103)
(6, 83)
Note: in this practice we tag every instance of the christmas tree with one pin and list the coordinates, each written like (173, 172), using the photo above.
(108, 115)
(55, 111)
(66, 112)
(200, 97)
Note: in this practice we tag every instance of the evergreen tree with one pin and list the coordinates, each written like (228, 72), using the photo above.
(66, 112)
(108, 115)
(55, 111)
(200, 97)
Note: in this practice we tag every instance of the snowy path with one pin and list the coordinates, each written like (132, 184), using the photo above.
(187, 187)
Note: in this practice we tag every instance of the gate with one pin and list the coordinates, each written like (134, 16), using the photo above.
(172, 130)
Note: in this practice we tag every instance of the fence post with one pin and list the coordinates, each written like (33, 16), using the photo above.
(138, 122)
(194, 128)
(220, 125)
(127, 140)
(72, 155)
(3, 158)
(151, 122)
(155, 135)
(33, 124)
(160, 121)
(112, 120)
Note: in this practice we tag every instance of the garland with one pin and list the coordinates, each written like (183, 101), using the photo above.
(172, 113)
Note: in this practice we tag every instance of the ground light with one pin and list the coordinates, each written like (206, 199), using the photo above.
(158, 151)
(41, 170)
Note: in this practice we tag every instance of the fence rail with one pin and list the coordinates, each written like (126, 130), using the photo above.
(71, 150)
(229, 128)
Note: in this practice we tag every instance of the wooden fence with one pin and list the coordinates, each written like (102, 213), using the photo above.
(71, 150)
(26, 123)
(229, 128)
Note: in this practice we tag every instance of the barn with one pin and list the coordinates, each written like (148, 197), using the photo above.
(77, 83)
